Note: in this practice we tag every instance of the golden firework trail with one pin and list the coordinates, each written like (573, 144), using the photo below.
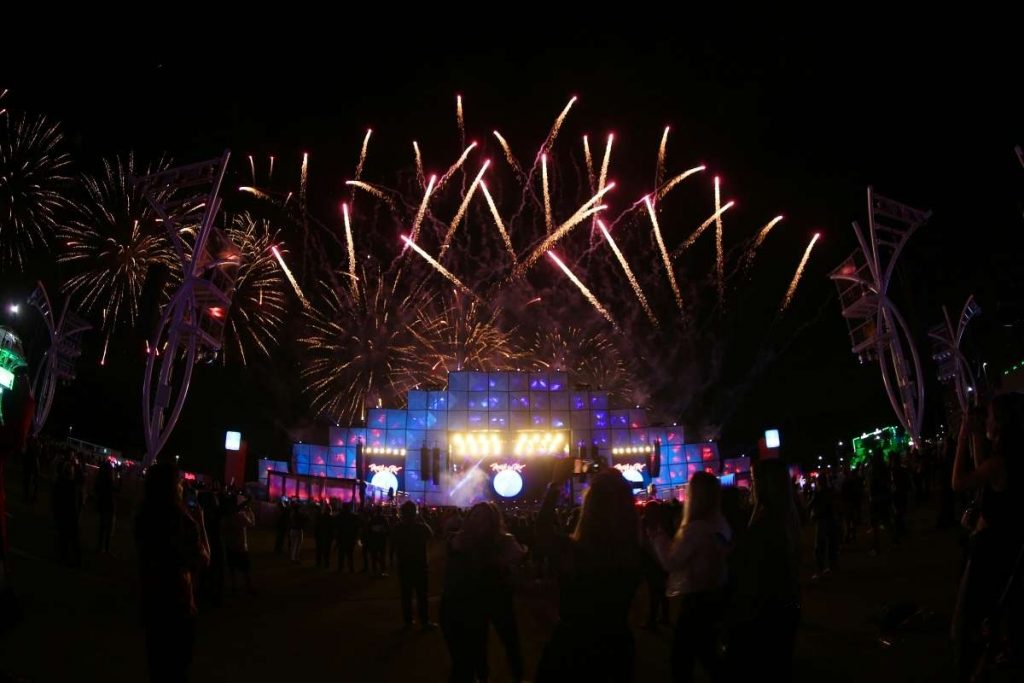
(362, 154)
(675, 181)
(291, 278)
(664, 254)
(420, 177)
(439, 268)
(583, 288)
(588, 209)
(659, 172)
(550, 140)
(548, 221)
(501, 225)
(788, 299)
(719, 242)
(460, 214)
(423, 208)
(350, 245)
(629, 274)
(508, 154)
(590, 163)
(456, 166)
(252, 169)
(700, 229)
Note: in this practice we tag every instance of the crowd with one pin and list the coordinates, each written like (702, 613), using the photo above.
(725, 564)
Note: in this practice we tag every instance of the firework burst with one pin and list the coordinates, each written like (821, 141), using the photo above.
(367, 348)
(258, 306)
(33, 185)
(114, 242)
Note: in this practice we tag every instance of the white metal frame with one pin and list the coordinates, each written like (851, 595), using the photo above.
(193, 320)
(891, 338)
(58, 363)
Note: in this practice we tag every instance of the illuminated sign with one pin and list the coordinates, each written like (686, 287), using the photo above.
(232, 441)
(632, 472)
(771, 438)
(508, 482)
(384, 476)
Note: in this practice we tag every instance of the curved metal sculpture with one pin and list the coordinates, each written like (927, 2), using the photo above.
(192, 323)
(953, 365)
(58, 364)
(877, 330)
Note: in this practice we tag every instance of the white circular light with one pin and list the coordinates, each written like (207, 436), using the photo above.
(508, 483)
(633, 475)
(385, 480)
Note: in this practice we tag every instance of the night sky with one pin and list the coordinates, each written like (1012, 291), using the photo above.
(796, 124)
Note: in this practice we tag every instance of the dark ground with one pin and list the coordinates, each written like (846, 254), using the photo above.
(82, 624)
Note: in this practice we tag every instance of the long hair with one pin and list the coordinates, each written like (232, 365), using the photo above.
(483, 526)
(703, 498)
(608, 523)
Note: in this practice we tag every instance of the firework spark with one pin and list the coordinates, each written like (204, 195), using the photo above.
(548, 221)
(420, 177)
(255, 192)
(664, 254)
(362, 154)
(659, 172)
(583, 288)
(497, 221)
(438, 267)
(291, 278)
(373, 190)
(422, 211)
(590, 163)
(252, 169)
(462, 209)
(581, 215)
(719, 246)
(351, 247)
(508, 154)
(761, 236)
(271, 167)
(113, 238)
(456, 166)
(700, 230)
(602, 179)
(675, 181)
(460, 120)
(788, 299)
(303, 180)
(629, 274)
(33, 181)
(550, 140)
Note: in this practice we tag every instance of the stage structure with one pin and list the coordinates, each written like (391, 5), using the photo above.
(497, 435)
(877, 329)
(58, 364)
(191, 327)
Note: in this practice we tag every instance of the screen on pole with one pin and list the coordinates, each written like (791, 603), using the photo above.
(232, 441)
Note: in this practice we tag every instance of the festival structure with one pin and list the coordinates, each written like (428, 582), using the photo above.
(492, 435)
